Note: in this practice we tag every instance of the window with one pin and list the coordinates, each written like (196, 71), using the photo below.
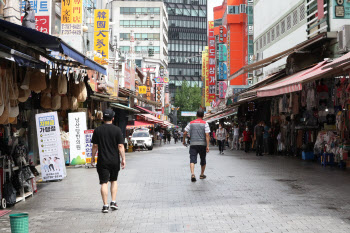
(243, 8)
(268, 38)
(124, 36)
(283, 26)
(233, 10)
(261, 43)
(124, 48)
(295, 17)
(217, 22)
(302, 12)
(289, 22)
(272, 34)
(264, 40)
(277, 30)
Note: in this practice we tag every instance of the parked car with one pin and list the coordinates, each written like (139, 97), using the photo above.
(141, 138)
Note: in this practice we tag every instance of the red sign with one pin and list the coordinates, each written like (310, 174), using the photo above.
(212, 62)
(223, 34)
(42, 23)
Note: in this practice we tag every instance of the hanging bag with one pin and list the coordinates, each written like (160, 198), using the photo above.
(45, 101)
(26, 80)
(37, 82)
(11, 75)
(56, 102)
(62, 84)
(64, 103)
(23, 95)
(13, 109)
(82, 92)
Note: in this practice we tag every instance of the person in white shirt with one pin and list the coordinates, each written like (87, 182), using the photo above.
(221, 135)
(235, 137)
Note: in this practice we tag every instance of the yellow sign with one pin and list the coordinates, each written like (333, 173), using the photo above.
(101, 20)
(142, 89)
(205, 70)
(71, 17)
(115, 88)
(101, 36)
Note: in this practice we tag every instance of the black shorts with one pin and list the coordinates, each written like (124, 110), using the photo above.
(107, 173)
(195, 150)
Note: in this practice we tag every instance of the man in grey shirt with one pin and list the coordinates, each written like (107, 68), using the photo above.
(199, 131)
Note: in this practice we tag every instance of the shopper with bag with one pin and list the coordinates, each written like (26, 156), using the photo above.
(221, 135)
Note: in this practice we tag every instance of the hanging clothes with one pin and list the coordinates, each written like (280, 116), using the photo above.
(295, 107)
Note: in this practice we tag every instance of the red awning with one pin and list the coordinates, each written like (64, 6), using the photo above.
(151, 118)
(145, 110)
(140, 124)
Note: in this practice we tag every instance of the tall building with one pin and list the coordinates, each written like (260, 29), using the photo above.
(187, 39)
(148, 22)
(236, 18)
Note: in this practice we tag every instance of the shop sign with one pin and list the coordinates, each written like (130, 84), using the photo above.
(212, 62)
(228, 53)
(101, 36)
(222, 52)
(115, 88)
(88, 145)
(148, 85)
(152, 69)
(222, 90)
(188, 114)
(132, 77)
(42, 9)
(341, 9)
(77, 126)
(71, 17)
(159, 93)
(127, 80)
(161, 80)
(50, 146)
(222, 71)
(142, 90)
(205, 68)
(222, 34)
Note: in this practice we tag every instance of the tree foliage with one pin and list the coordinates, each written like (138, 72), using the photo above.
(188, 99)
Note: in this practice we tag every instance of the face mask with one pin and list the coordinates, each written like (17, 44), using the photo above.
(220, 127)
(246, 129)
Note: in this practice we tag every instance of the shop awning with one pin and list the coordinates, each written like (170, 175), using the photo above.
(140, 124)
(223, 114)
(267, 61)
(35, 39)
(294, 82)
(145, 110)
(120, 106)
(151, 118)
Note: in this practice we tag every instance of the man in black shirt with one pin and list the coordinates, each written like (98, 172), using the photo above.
(109, 141)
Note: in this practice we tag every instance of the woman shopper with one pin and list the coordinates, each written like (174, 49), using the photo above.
(221, 135)
(247, 139)
(235, 137)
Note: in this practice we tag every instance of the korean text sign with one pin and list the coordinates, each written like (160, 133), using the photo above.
(212, 62)
(50, 146)
(42, 10)
(205, 63)
(77, 126)
(101, 36)
(71, 17)
(88, 145)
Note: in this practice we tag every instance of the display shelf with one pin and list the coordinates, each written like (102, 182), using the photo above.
(22, 197)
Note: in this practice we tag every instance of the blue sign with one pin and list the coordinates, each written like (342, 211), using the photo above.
(222, 52)
(222, 71)
(341, 9)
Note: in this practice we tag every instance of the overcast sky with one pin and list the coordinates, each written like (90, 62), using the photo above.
(211, 5)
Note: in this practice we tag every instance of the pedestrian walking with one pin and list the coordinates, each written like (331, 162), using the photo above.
(199, 131)
(169, 137)
(176, 136)
(247, 139)
(258, 137)
(221, 135)
(109, 141)
(235, 137)
(160, 137)
(266, 139)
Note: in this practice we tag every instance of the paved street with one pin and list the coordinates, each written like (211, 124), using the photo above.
(242, 193)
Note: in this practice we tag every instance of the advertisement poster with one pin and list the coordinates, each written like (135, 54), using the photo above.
(77, 126)
(341, 9)
(71, 17)
(101, 36)
(212, 62)
(222, 90)
(222, 71)
(50, 146)
(42, 10)
(205, 73)
(88, 145)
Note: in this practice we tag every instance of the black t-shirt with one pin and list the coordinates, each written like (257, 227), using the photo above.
(107, 137)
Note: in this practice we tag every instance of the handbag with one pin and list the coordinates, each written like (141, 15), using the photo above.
(56, 102)
(82, 92)
(23, 95)
(37, 81)
(9, 193)
(26, 80)
(62, 84)
(27, 173)
(45, 101)
(14, 108)
(54, 83)
(64, 103)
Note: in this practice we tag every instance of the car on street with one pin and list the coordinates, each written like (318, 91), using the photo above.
(141, 138)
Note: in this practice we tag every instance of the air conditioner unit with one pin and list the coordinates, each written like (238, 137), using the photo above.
(344, 39)
(152, 16)
(137, 16)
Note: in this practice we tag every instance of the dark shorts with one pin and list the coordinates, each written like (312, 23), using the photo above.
(107, 173)
(194, 151)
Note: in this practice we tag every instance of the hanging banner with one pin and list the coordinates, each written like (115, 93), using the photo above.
(212, 62)
(222, 71)
(222, 34)
(50, 146)
(132, 77)
(159, 92)
(88, 145)
(205, 73)
(222, 90)
(222, 52)
(148, 85)
(101, 36)
(77, 126)
(71, 17)
(42, 9)
(127, 80)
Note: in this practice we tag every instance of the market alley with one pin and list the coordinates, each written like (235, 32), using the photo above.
(242, 193)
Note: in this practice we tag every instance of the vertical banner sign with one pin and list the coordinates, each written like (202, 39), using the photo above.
(50, 146)
(223, 34)
(42, 9)
(88, 145)
(222, 90)
(71, 17)
(206, 76)
(212, 62)
(148, 84)
(77, 126)
(222, 71)
(228, 54)
(101, 36)
(222, 52)
(159, 93)
(127, 82)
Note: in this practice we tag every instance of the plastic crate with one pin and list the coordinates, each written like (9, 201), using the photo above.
(308, 155)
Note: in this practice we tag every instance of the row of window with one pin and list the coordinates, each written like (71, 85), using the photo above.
(139, 23)
(187, 36)
(141, 36)
(233, 10)
(281, 27)
(139, 10)
(185, 72)
(192, 2)
(140, 49)
(186, 48)
(187, 12)
(183, 59)
(187, 24)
